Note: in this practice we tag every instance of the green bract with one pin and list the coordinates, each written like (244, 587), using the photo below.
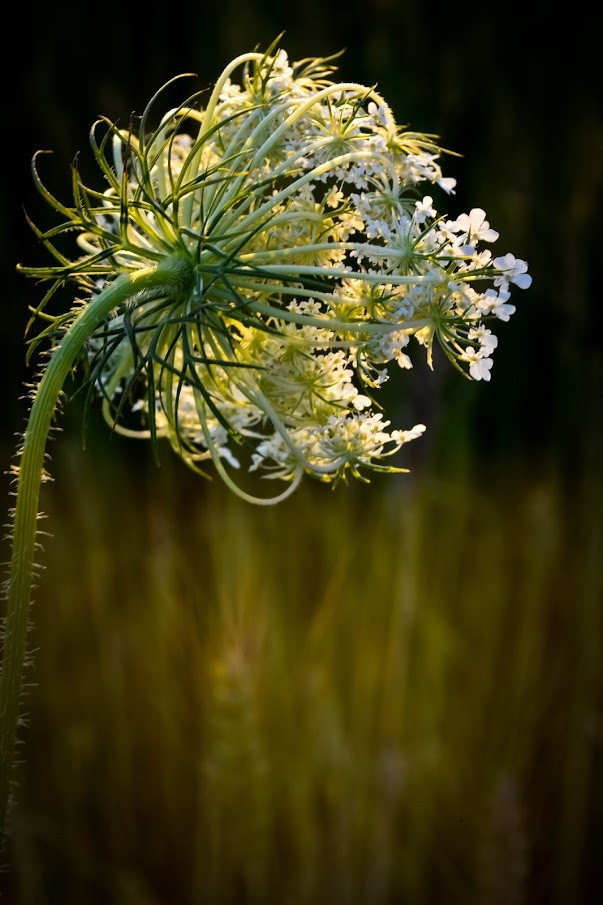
(293, 205)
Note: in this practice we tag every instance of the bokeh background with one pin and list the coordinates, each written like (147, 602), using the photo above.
(381, 694)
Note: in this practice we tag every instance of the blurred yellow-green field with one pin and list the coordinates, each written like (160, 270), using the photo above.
(386, 694)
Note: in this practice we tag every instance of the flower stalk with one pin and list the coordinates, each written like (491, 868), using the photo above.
(174, 275)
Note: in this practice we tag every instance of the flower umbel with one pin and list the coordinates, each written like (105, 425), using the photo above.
(249, 273)
(309, 261)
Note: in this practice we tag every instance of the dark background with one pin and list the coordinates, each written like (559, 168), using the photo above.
(516, 95)
(512, 466)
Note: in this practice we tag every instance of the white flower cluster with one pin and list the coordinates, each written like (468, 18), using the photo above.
(318, 260)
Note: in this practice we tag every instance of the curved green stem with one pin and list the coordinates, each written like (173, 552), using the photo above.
(176, 274)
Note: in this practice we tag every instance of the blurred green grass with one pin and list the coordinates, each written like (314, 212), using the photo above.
(373, 695)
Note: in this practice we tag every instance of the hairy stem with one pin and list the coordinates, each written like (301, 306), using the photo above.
(176, 274)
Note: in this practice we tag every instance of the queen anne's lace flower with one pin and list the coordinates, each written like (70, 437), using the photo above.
(473, 227)
(316, 258)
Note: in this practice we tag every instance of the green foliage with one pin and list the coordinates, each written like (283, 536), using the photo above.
(387, 699)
